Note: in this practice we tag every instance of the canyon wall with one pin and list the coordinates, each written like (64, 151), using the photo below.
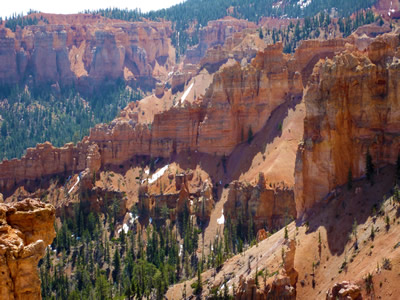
(26, 229)
(352, 106)
(238, 102)
(269, 207)
(86, 51)
(215, 33)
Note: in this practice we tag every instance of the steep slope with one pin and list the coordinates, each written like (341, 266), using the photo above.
(86, 50)
(351, 108)
(323, 254)
(26, 230)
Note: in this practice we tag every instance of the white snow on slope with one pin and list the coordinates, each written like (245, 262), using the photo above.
(158, 174)
(125, 228)
(221, 220)
(303, 3)
(185, 94)
(77, 181)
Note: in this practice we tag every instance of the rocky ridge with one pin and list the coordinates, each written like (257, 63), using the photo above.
(351, 108)
(86, 50)
(26, 229)
(215, 33)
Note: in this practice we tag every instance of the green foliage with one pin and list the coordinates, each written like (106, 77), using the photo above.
(349, 179)
(39, 115)
(260, 33)
(21, 21)
(250, 136)
(198, 13)
(369, 167)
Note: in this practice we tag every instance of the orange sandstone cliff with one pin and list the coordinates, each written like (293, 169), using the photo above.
(26, 229)
(86, 50)
(352, 107)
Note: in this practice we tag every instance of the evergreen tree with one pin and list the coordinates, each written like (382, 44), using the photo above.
(260, 33)
(349, 179)
(250, 136)
(117, 266)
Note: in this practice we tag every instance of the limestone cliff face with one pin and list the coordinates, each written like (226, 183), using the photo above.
(352, 105)
(26, 229)
(46, 160)
(267, 206)
(281, 286)
(85, 52)
(215, 33)
(239, 101)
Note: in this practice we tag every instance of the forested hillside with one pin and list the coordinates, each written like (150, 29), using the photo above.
(198, 13)
(31, 117)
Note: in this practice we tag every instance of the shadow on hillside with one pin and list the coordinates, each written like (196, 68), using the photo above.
(224, 170)
(242, 156)
(337, 215)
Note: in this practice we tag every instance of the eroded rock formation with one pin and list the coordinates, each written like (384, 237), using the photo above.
(352, 107)
(86, 51)
(344, 291)
(215, 33)
(269, 206)
(26, 229)
(281, 286)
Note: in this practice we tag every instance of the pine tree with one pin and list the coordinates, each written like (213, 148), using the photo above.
(369, 167)
(349, 179)
(117, 266)
(260, 33)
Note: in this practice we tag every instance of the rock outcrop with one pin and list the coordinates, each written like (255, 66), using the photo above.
(352, 107)
(344, 291)
(266, 206)
(238, 103)
(281, 286)
(215, 33)
(179, 192)
(86, 52)
(46, 160)
(26, 229)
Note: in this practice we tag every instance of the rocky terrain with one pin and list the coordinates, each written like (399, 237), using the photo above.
(351, 108)
(215, 34)
(26, 230)
(286, 146)
(85, 51)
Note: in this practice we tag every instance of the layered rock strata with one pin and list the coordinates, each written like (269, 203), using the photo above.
(215, 33)
(352, 107)
(266, 206)
(26, 229)
(85, 52)
(237, 104)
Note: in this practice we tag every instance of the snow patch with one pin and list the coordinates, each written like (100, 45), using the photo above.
(132, 219)
(277, 5)
(147, 172)
(304, 3)
(77, 181)
(125, 228)
(180, 250)
(185, 94)
(158, 174)
(221, 220)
